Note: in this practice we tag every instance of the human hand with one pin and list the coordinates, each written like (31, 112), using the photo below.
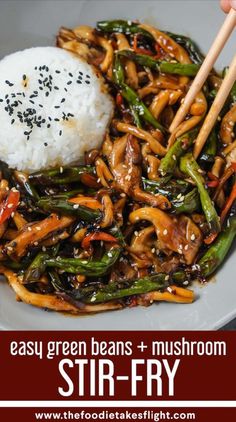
(227, 4)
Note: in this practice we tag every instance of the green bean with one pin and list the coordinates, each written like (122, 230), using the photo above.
(217, 252)
(176, 191)
(183, 143)
(118, 72)
(114, 291)
(64, 207)
(130, 95)
(209, 151)
(71, 193)
(90, 268)
(36, 268)
(56, 281)
(187, 204)
(117, 233)
(190, 46)
(165, 186)
(60, 175)
(122, 26)
(190, 167)
(161, 66)
(132, 98)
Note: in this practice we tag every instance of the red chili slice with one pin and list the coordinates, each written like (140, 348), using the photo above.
(140, 50)
(158, 51)
(9, 205)
(228, 204)
(212, 183)
(209, 239)
(119, 99)
(233, 165)
(97, 236)
(212, 176)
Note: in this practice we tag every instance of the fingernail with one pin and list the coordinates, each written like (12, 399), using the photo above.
(233, 4)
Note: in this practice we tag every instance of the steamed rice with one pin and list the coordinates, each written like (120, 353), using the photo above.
(53, 107)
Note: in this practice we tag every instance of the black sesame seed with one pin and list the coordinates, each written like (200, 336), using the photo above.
(79, 82)
(45, 144)
(48, 126)
(31, 101)
(66, 89)
(56, 106)
(88, 76)
(69, 83)
(57, 71)
(49, 118)
(56, 87)
(87, 82)
(41, 88)
(24, 77)
(43, 120)
(60, 133)
(1, 100)
(56, 120)
(41, 105)
(63, 100)
(6, 96)
(12, 121)
(10, 84)
(35, 68)
(80, 73)
(70, 74)
(39, 81)
(47, 94)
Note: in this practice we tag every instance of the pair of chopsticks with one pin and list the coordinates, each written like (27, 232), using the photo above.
(218, 44)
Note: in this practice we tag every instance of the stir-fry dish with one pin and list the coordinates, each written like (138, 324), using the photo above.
(143, 216)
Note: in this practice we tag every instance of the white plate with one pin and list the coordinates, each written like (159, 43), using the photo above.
(32, 23)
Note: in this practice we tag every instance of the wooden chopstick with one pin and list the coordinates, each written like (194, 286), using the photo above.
(215, 108)
(206, 67)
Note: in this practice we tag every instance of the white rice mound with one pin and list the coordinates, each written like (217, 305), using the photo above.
(53, 108)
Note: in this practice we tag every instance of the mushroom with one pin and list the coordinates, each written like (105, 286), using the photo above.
(177, 234)
(227, 126)
(125, 160)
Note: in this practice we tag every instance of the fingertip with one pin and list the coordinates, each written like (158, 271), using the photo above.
(225, 5)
